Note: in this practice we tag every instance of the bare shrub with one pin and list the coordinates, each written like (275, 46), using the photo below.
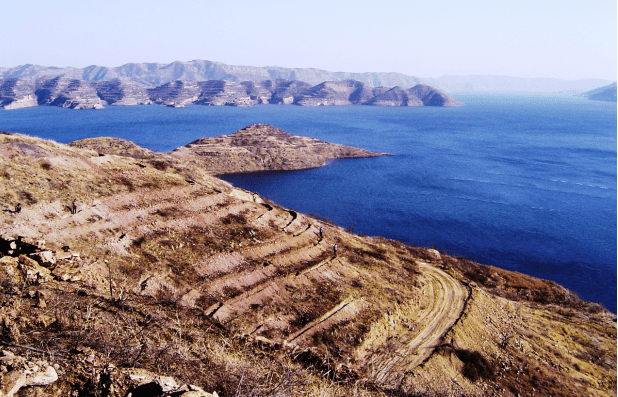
(45, 164)
(234, 219)
(167, 295)
(27, 197)
(160, 165)
(475, 365)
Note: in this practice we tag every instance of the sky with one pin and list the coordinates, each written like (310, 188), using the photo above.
(561, 39)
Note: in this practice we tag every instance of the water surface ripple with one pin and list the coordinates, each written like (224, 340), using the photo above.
(524, 183)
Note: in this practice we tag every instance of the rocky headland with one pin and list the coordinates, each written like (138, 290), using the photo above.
(258, 147)
(80, 94)
(129, 272)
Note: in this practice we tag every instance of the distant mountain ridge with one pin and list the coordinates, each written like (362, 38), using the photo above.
(506, 84)
(151, 75)
(606, 93)
(80, 94)
(155, 74)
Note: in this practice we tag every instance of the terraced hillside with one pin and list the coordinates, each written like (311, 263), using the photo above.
(116, 264)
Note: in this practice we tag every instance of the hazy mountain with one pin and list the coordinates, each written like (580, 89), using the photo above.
(155, 74)
(151, 75)
(477, 83)
(606, 93)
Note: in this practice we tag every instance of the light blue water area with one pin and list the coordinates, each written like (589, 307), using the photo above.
(524, 183)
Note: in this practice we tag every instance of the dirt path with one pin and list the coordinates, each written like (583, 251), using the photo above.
(390, 365)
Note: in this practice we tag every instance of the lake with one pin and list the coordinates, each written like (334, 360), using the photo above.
(526, 183)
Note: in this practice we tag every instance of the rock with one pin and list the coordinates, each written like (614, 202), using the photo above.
(42, 378)
(193, 394)
(434, 254)
(65, 255)
(32, 271)
(146, 384)
(188, 299)
(44, 320)
(196, 391)
(22, 373)
(23, 259)
(40, 300)
(9, 261)
(44, 258)
(11, 383)
(167, 383)
(9, 270)
(64, 272)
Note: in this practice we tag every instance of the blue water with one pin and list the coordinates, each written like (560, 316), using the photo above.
(523, 183)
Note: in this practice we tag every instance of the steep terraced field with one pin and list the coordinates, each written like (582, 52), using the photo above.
(164, 267)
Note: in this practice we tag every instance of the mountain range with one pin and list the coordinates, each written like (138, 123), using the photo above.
(151, 75)
(80, 94)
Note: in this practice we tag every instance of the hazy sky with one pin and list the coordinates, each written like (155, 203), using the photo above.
(526, 38)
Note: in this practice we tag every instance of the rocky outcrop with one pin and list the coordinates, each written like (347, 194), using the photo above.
(67, 93)
(17, 93)
(80, 94)
(17, 372)
(224, 93)
(119, 93)
(395, 97)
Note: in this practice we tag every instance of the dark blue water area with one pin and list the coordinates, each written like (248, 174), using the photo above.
(523, 183)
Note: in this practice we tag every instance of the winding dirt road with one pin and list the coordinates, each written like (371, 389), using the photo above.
(416, 346)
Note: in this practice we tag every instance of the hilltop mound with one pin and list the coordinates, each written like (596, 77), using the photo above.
(161, 277)
(261, 147)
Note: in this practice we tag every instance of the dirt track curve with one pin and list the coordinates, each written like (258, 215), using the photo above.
(448, 302)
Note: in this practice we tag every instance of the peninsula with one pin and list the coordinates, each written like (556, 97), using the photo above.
(258, 147)
(129, 272)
